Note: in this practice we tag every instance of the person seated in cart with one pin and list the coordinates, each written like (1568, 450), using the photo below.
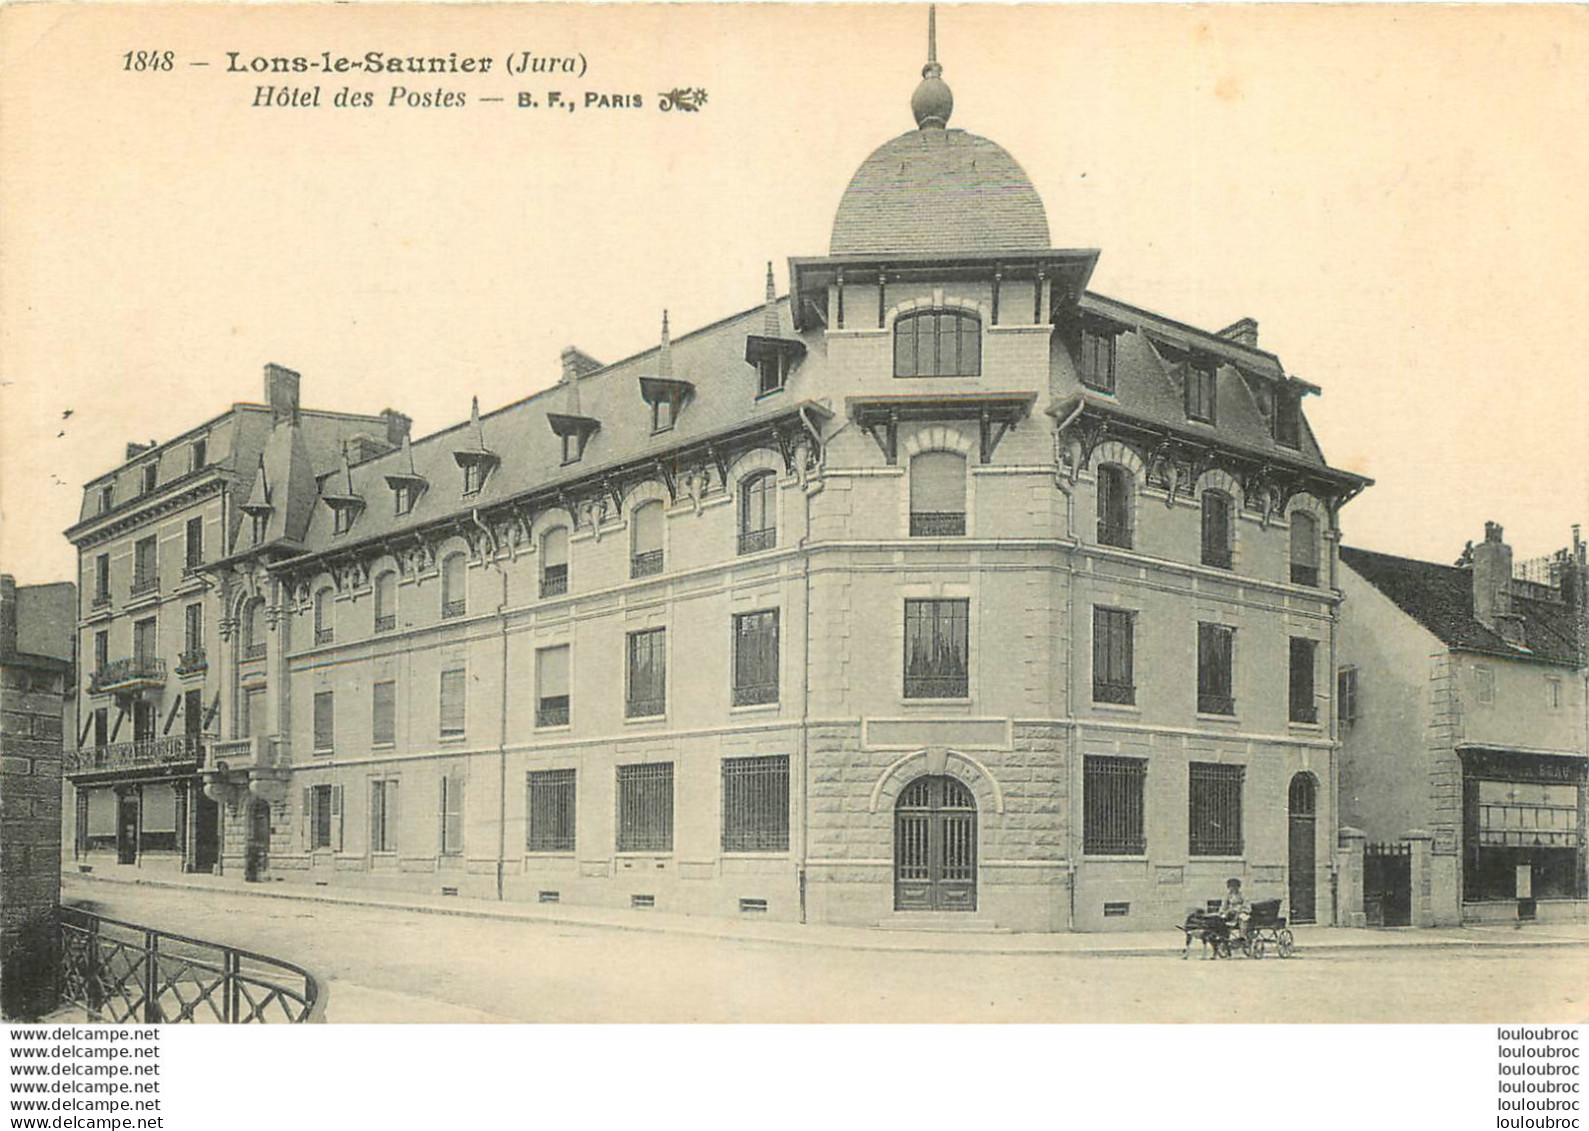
(1235, 908)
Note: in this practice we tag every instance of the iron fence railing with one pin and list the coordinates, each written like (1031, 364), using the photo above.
(123, 972)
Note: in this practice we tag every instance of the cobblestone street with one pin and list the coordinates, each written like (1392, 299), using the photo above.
(405, 966)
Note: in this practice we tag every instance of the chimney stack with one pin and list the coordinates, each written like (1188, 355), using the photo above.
(398, 426)
(281, 392)
(135, 449)
(1492, 586)
(1243, 331)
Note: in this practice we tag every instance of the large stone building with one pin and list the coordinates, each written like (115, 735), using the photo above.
(1465, 723)
(939, 585)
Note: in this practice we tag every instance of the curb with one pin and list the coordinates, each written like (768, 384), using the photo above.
(705, 931)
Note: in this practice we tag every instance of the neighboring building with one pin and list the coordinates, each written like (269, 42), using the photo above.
(37, 698)
(147, 634)
(1465, 724)
(878, 599)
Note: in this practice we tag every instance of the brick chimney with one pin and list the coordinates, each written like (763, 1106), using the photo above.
(1243, 331)
(8, 616)
(281, 392)
(1492, 586)
(398, 426)
(135, 449)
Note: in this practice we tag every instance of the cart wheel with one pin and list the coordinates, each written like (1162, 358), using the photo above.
(1221, 948)
(1256, 950)
(1286, 947)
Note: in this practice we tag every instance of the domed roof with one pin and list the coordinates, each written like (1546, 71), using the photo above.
(939, 191)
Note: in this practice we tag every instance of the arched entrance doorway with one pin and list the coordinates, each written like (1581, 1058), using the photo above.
(935, 847)
(1302, 805)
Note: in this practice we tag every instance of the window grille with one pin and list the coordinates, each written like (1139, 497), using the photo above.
(647, 674)
(1113, 656)
(551, 702)
(1302, 707)
(454, 595)
(554, 563)
(383, 723)
(551, 809)
(1201, 386)
(452, 701)
(937, 495)
(1304, 549)
(645, 807)
(937, 649)
(1114, 506)
(319, 813)
(938, 343)
(1098, 361)
(1214, 816)
(758, 520)
(1217, 529)
(1215, 662)
(383, 816)
(324, 721)
(449, 812)
(756, 804)
(1112, 806)
(756, 658)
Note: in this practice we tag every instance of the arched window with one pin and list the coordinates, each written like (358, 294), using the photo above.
(253, 639)
(937, 343)
(937, 495)
(454, 587)
(1304, 549)
(1114, 505)
(324, 617)
(1217, 529)
(386, 602)
(758, 518)
(645, 556)
(554, 562)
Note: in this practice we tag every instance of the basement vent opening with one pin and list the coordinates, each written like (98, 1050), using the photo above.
(753, 907)
(549, 896)
(642, 901)
(322, 883)
(1114, 910)
(449, 891)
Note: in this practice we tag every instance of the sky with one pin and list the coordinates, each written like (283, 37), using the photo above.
(1395, 194)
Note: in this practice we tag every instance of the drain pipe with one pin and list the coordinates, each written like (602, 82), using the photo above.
(1073, 772)
(502, 714)
(803, 545)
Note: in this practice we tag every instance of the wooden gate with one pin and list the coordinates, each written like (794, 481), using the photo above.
(1387, 885)
(1302, 806)
(935, 847)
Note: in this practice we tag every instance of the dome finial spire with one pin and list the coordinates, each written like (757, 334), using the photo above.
(932, 103)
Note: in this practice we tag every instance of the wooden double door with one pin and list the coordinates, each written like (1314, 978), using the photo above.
(935, 847)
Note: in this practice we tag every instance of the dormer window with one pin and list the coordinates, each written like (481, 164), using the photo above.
(1096, 363)
(938, 343)
(1201, 387)
(342, 519)
(403, 496)
(474, 478)
(575, 433)
(667, 397)
(774, 359)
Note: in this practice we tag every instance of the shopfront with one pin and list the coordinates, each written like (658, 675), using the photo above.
(1524, 821)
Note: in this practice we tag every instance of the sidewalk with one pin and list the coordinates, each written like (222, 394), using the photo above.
(1165, 942)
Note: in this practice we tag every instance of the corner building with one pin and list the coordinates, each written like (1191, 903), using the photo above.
(938, 589)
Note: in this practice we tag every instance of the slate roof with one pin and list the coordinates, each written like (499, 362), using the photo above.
(939, 191)
(1440, 598)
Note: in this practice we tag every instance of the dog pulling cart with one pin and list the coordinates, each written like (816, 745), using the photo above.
(1266, 930)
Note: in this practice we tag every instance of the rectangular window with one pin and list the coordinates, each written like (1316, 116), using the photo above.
(403, 496)
(199, 455)
(342, 519)
(645, 807)
(101, 580)
(383, 721)
(144, 648)
(452, 701)
(1217, 528)
(383, 816)
(1112, 806)
(756, 658)
(193, 713)
(1288, 419)
(106, 498)
(1114, 506)
(324, 722)
(1303, 708)
(193, 630)
(648, 674)
(1528, 815)
(193, 556)
(1346, 696)
(473, 477)
(551, 693)
(1098, 361)
(662, 411)
(756, 804)
(319, 814)
(769, 375)
(1484, 678)
(101, 726)
(449, 813)
(551, 811)
(1214, 812)
(254, 719)
(937, 649)
(1201, 383)
(101, 650)
(1113, 656)
(145, 567)
(151, 477)
(1215, 656)
(1552, 693)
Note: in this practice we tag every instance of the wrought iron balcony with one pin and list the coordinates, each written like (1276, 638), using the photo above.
(937, 687)
(552, 711)
(753, 694)
(121, 972)
(1213, 703)
(754, 541)
(1113, 692)
(192, 662)
(646, 564)
(937, 524)
(101, 599)
(145, 583)
(644, 708)
(554, 581)
(239, 754)
(134, 673)
(138, 754)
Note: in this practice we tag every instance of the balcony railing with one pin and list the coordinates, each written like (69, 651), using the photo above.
(386, 623)
(754, 541)
(1115, 534)
(172, 750)
(646, 564)
(245, 753)
(1212, 703)
(644, 708)
(192, 662)
(145, 583)
(1113, 692)
(129, 674)
(1304, 575)
(552, 711)
(754, 694)
(254, 650)
(101, 599)
(121, 972)
(937, 524)
(450, 609)
(554, 581)
(936, 687)
(324, 635)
